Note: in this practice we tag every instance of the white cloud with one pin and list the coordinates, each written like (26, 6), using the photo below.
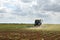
(26, 11)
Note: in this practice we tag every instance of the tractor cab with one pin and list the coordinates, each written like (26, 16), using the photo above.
(38, 22)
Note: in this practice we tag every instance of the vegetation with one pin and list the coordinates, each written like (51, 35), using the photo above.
(14, 26)
(46, 27)
(45, 32)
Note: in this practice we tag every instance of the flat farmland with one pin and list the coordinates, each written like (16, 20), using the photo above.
(11, 27)
(29, 32)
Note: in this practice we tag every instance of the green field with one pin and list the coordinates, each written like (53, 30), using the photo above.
(14, 26)
(47, 27)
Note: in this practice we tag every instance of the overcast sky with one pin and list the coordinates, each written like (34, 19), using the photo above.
(26, 11)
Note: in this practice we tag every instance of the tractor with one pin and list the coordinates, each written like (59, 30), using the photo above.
(38, 22)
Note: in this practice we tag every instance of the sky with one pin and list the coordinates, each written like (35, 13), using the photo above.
(26, 11)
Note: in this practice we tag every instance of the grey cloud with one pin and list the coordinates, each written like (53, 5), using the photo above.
(2, 11)
(57, 1)
(40, 2)
(48, 6)
(22, 12)
(40, 5)
(19, 13)
(42, 16)
(54, 8)
(18, 9)
(26, 1)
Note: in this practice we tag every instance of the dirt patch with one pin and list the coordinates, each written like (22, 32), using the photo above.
(29, 35)
(20, 35)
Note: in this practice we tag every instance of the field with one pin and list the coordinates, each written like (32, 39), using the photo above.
(14, 26)
(29, 32)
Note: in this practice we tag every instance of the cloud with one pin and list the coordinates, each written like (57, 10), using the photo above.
(26, 1)
(49, 5)
(26, 11)
(54, 8)
(2, 11)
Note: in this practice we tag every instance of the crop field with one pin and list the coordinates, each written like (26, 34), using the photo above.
(13, 27)
(29, 32)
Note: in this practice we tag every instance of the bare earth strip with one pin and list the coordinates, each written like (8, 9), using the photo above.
(25, 34)
(20, 35)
